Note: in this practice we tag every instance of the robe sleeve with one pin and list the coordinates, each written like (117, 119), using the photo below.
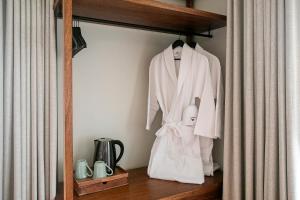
(206, 112)
(153, 105)
(219, 123)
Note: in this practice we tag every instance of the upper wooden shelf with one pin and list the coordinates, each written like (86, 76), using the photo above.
(146, 14)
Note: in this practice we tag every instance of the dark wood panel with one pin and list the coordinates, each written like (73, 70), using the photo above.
(148, 14)
(189, 37)
(189, 3)
(141, 187)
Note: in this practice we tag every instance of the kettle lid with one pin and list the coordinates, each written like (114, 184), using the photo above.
(103, 139)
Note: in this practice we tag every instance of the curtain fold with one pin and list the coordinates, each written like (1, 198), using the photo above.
(1, 93)
(28, 100)
(292, 27)
(262, 109)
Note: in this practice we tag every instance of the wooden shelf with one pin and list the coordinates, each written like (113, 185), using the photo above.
(142, 187)
(146, 14)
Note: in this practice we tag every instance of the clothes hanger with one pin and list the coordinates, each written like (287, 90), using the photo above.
(79, 35)
(192, 44)
(78, 41)
(75, 41)
(178, 43)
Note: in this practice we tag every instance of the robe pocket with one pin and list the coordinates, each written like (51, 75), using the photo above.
(189, 115)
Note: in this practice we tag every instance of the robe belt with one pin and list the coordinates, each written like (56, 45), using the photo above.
(169, 127)
(175, 146)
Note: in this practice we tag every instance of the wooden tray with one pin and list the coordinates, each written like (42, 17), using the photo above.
(89, 185)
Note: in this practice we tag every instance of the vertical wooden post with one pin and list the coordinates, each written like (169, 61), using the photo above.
(68, 106)
(189, 4)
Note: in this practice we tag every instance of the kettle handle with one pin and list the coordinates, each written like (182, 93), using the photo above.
(96, 149)
(118, 142)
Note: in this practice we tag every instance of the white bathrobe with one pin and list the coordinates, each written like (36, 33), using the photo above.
(175, 154)
(206, 143)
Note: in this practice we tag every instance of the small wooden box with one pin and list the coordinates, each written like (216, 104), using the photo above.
(89, 185)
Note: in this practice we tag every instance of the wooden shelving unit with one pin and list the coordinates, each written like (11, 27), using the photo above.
(146, 14)
(142, 14)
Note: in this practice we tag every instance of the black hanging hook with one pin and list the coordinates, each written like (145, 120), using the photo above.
(78, 40)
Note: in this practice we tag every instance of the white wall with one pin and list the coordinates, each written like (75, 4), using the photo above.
(110, 80)
(110, 90)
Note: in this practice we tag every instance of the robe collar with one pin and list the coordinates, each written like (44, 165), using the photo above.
(185, 64)
(198, 47)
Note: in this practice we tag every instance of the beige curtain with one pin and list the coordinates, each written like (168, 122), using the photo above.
(262, 109)
(1, 97)
(28, 100)
(292, 26)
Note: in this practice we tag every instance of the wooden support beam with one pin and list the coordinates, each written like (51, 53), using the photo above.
(190, 3)
(190, 37)
(68, 106)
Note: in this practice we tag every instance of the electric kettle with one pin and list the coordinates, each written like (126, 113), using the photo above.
(105, 150)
